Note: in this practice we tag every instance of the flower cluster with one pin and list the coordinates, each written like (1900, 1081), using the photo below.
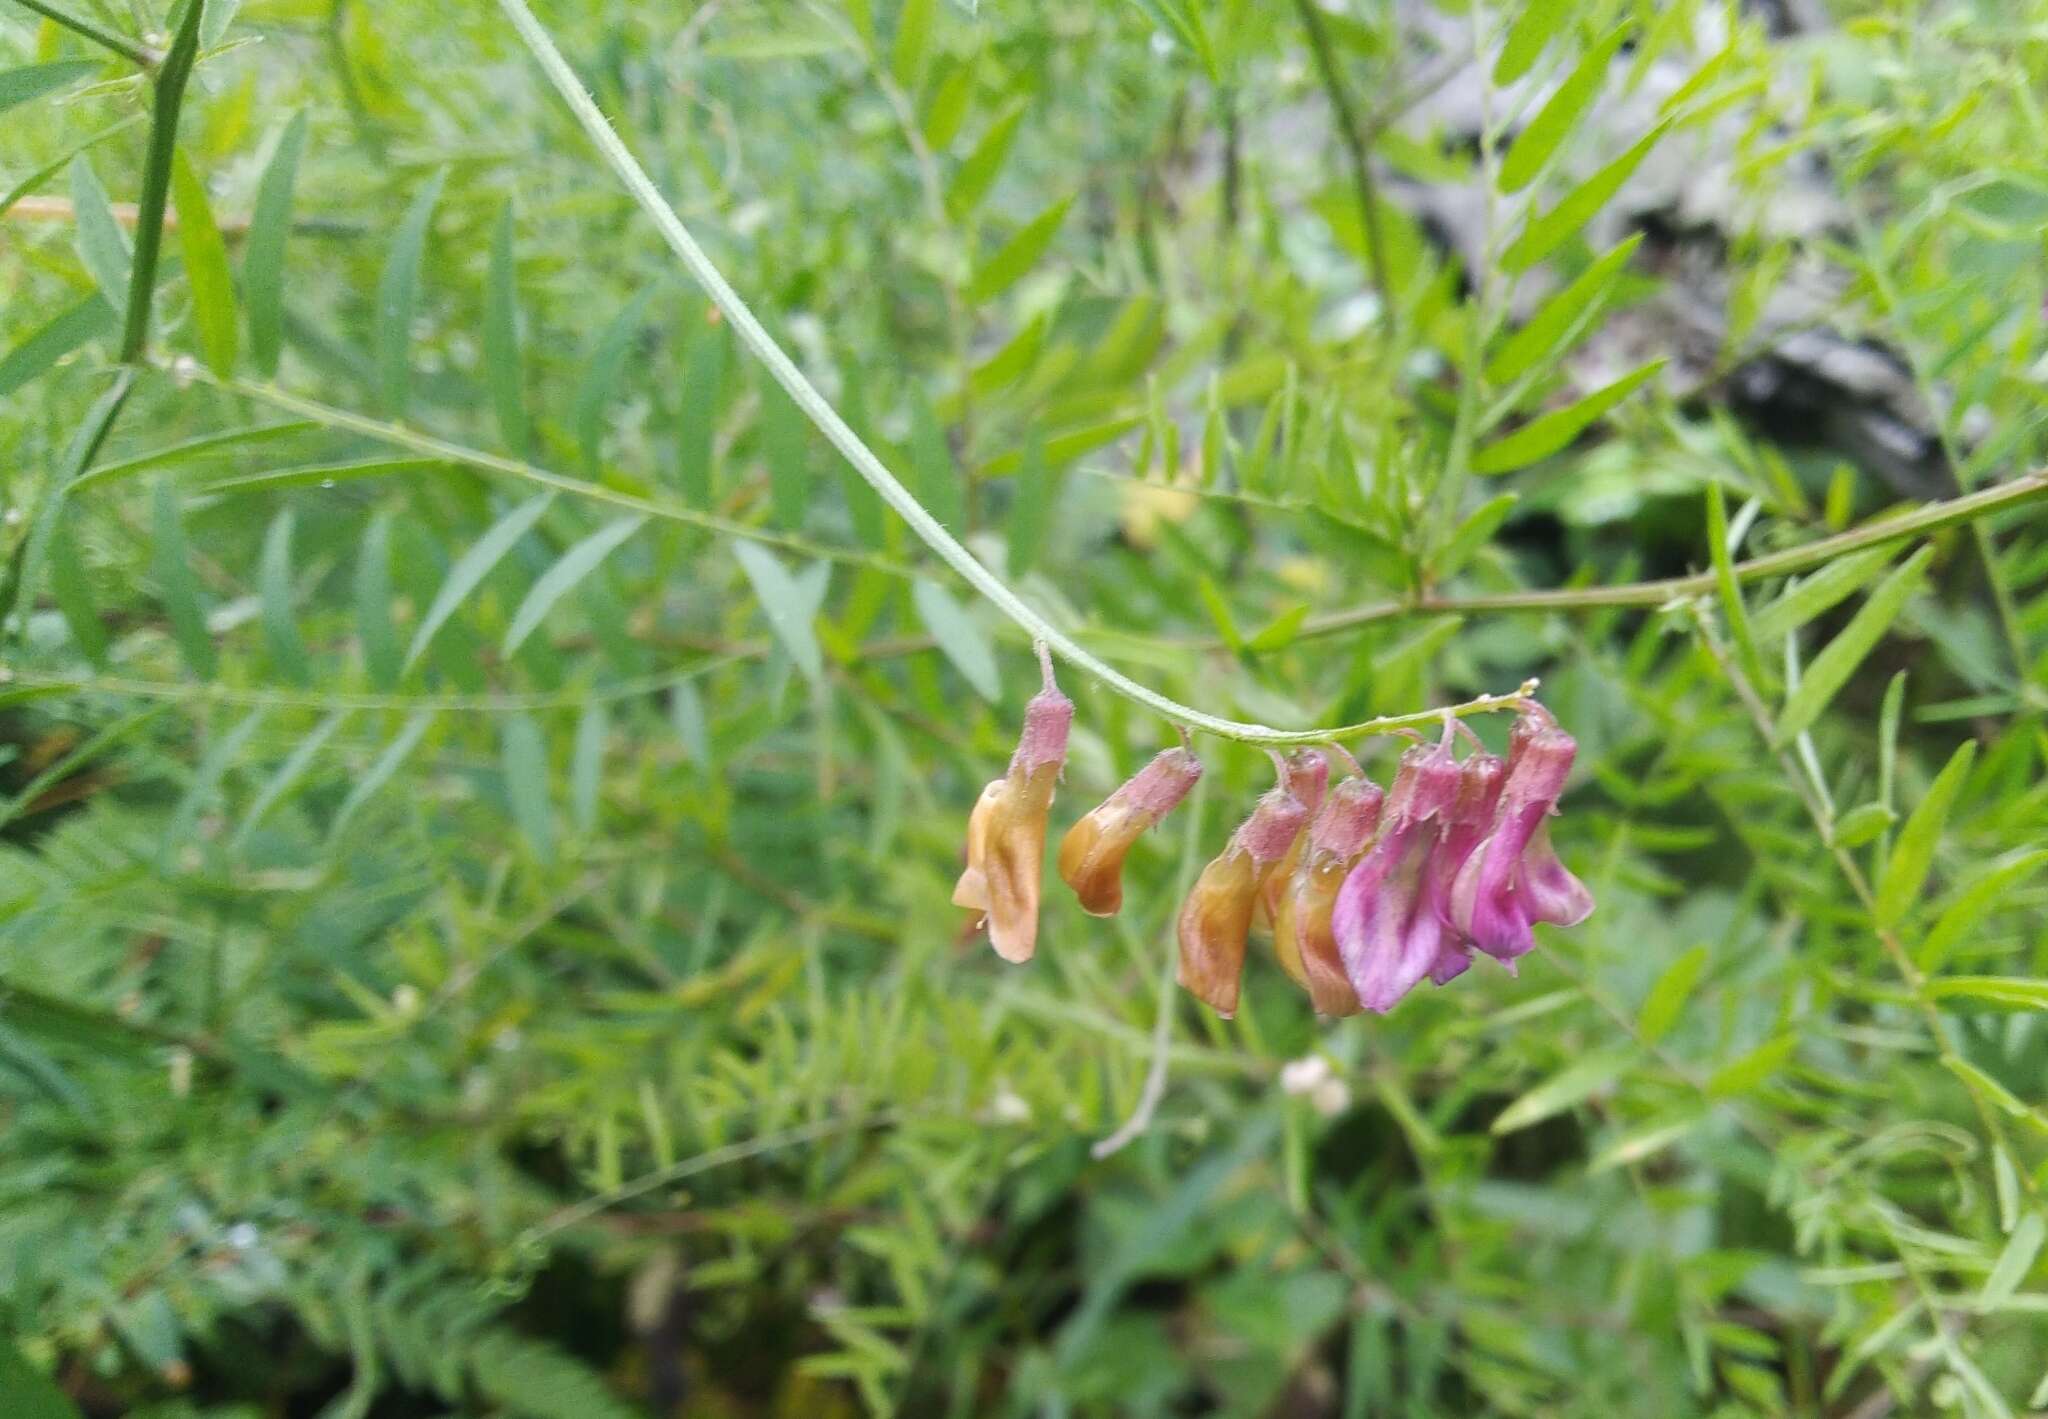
(1367, 892)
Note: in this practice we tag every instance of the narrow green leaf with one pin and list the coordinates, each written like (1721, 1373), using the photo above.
(398, 291)
(978, 170)
(1641, 1143)
(504, 370)
(1574, 1084)
(586, 766)
(2005, 1178)
(913, 41)
(1832, 668)
(270, 224)
(1539, 22)
(1862, 824)
(1557, 118)
(1019, 254)
(1280, 632)
(89, 319)
(288, 775)
(945, 108)
(1218, 607)
(931, 467)
(785, 447)
(1030, 512)
(697, 417)
(558, 580)
(788, 610)
(183, 829)
(171, 562)
(1754, 1068)
(1729, 590)
(375, 632)
(73, 591)
(686, 713)
(381, 769)
(1563, 317)
(1473, 533)
(1547, 232)
(525, 759)
(1980, 1082)
(320, 475)
(959, 636)
(602, 375)
(1549, 433)
(2018, 992)
(184, 452)
(2014, 1262)
(33, 81)
(1973, 902)
(1667, 998)
(101, 243)
(1832, 584)
(274, 586)
(472, 567)
(206, 268)
(219, 15)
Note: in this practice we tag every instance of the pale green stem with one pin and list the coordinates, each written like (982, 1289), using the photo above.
(820, 412)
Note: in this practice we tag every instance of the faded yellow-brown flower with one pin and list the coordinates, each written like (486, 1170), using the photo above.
(1216, 920)
(1093, 851)
(1006, 831)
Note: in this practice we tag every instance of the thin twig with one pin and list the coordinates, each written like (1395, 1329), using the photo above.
(141, 55)
(1353, 136)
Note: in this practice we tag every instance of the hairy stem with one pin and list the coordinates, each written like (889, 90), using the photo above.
(819, 410)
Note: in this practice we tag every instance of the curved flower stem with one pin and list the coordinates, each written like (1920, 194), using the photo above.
(820, 412)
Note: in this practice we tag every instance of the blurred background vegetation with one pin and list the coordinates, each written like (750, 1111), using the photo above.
(480, 782)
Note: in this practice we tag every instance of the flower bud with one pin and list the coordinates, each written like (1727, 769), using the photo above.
(1093, 851)
(1006, 831)
(1387, 932)
(1216, 920)
(1302, 937)
(1306, 773)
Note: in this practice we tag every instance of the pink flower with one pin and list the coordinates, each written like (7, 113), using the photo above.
(1386, 926)
(1513, 878)
(1302, 937)
(1466, 824)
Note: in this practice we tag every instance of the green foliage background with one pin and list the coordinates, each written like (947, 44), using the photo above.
(474, 933)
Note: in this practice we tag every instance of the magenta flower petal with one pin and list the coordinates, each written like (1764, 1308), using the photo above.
(1549, 890)
(1387, 927)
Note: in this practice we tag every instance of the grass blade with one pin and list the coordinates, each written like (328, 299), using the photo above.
(91, 317)
(1551, 433)
(472, 567)
(503, 369)
(206, 268)
(1557, 118)
(1547, 232)
(274, 587)
(177, 585)
(787, 608)
(270, 224)
(960, 637)
(561, 578)
(100, 242)
(1832, 668)
(398, 297)
(1906, 869)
